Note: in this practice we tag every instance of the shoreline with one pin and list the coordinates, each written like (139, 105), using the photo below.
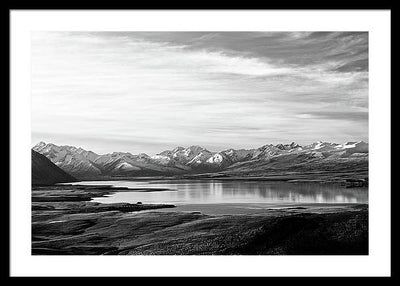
(350, 178)
(262, 208)
(65, 226)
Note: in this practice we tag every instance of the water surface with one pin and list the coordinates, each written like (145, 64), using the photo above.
(188, 192)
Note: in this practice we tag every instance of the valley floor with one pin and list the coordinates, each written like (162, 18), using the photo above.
(66, 222)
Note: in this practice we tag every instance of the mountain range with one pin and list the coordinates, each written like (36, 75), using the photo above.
(44, 172)
(319, 156)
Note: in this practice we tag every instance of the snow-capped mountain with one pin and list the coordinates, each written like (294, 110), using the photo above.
(185, 155)
(238, 155)
(291, 146)
(316, 157)
(354, 147)
(200, 158)
(75, 161)
(85, 164)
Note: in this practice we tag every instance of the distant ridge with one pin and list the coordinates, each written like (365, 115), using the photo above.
(44, 172)
(316, 157)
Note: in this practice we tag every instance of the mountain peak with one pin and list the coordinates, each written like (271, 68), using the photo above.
(195, 149)
(86, 164)
(178, 148)
(143, 155)
(41, 143)
(287, 146)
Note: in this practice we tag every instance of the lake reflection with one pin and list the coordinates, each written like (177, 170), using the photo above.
(215, 192)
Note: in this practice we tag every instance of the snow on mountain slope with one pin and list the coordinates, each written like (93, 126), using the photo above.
(239, 155)
(74, 161)
(321, 146)
(137, 164)
(184, 155)
(160, 159)
(215, 159)
(316, 157)
(200, 158)
(126, 167)
(195, 159)
(288, 147)
(355, 147)
(267, 151)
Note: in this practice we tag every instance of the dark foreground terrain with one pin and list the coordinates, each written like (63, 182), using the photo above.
(65, 222)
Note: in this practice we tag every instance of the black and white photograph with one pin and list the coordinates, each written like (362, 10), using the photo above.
(200, 143)
(217, 143)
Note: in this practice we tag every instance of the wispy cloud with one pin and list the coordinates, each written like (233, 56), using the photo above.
(145, 90)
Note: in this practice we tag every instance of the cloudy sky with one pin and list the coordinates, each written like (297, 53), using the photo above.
(152, 91)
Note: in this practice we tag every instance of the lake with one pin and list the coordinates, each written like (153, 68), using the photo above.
(197, 192)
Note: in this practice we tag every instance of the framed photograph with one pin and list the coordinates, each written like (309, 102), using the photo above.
(200, 143)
